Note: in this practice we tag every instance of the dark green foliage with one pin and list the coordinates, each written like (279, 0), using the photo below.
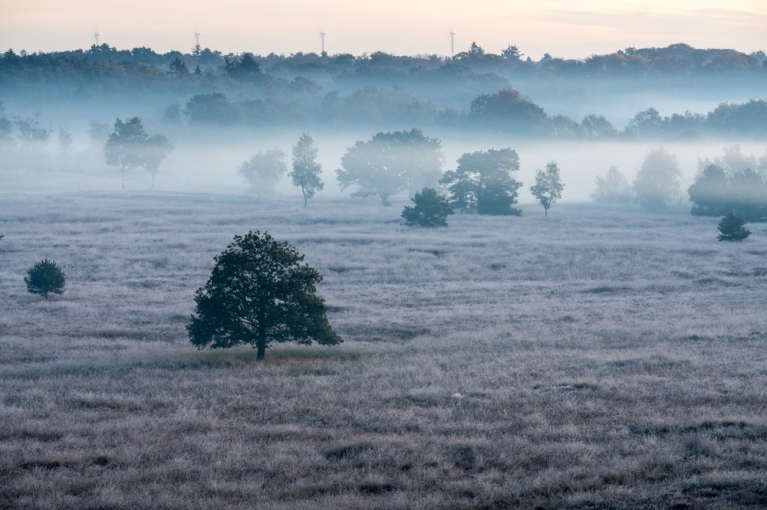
(45, 278)
(390, 163)
(260, 293)
(714, 194)
(731, 228)
(213, 110)
(430, 209)
(548, 186)
(244, 68)
(507, 111)
(482, 182)
(306, 170)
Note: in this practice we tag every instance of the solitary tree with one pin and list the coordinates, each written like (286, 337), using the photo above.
(657, 182)
(548, 186)
(430, 210)
(390, 163)
(306, 170)
(129, 147)
(264, 170)
(731, 228)
(482, 182)
(44, 278)
(260, 293)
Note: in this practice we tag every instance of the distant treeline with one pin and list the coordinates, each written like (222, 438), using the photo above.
(471, 90)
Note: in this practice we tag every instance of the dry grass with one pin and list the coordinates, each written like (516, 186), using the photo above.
(597, 359)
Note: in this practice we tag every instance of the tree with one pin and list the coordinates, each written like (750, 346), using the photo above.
(214, 110)
(482, 182)
(265, 169)
(155, 150)
(65, 139)
(44, 278)
(731, 228)
(129, 147)
(177, 68)
(390, 163)
(430, 210)
(710, 192)
(507, 111)
(657, 182)
(612, 188)
(244, 68)
(548, 186)
(306, 170)
(257, 294)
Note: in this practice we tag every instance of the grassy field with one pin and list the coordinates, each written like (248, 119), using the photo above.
(600, 358)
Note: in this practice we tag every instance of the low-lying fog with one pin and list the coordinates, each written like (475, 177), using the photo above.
(212, 166)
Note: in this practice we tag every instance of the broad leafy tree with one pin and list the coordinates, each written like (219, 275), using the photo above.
(306, 171)
(483, 182)
(548, 186)
(260, 293)
(390, 163)
(732, 228)
(430, 209)
(264, 170)
(129, 147)
(657, 182)
(44, 278)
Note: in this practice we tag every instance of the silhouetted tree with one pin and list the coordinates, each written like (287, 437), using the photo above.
(612, 188)
(264, 170)
(430, 209)
(213, 110)
(548, 186)
(130, 147)
(710, 192)
(177, 68)
(731, 228)
(482, 182)
(306, 170)
(244, 68)
(44, 278)
(257, 294)
(507, 111)
(657, 182)
(392, 162)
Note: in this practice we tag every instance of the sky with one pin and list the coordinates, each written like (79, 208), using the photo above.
(563, 28)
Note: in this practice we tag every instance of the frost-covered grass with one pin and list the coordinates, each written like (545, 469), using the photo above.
(600, 358)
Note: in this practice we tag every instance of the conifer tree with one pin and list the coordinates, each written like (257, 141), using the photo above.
(731, 228)
(45, 278)
(429, 210)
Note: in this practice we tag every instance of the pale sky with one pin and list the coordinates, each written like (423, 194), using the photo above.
(565, 28)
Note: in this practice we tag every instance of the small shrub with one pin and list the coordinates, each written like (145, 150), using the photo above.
(45, 278)
(731, 228)
(430, 209)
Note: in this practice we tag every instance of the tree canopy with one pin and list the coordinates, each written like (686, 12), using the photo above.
(548, 186)
(306, 171)
(390, 163)
(657, 183)
(482, 182)
(260, 293)
(129, 147)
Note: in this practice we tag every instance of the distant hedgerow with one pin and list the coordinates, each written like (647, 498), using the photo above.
(45, 278)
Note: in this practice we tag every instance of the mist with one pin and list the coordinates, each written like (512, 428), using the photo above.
(383, 281)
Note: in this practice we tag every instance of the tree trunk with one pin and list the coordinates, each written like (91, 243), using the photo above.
(261, 349)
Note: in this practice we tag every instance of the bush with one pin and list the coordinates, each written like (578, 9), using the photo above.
(731, 228)
(430, 209)
(45, 278)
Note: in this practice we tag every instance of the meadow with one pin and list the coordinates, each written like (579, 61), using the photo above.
(598, 358)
